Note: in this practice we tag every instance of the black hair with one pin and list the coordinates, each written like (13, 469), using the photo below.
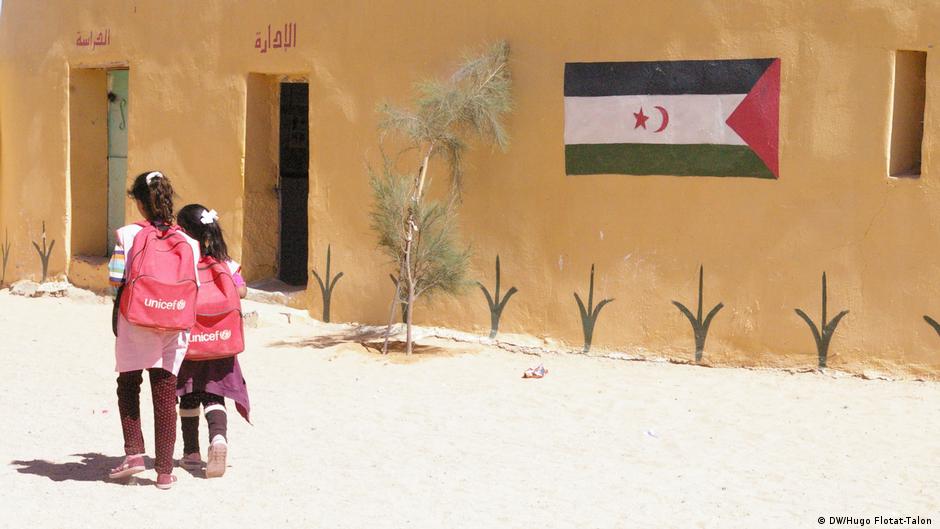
(211, 241)
(155, 196)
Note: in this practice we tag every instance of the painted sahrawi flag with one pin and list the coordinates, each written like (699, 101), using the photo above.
(683, 118)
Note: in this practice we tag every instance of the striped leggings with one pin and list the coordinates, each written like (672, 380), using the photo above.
(216, 418)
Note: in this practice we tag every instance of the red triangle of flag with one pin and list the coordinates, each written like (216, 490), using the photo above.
(757, 118)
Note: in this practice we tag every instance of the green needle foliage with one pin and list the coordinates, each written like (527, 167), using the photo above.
(589, 313)
(472, 101)
(823, 333)
(495, 303)
(44, 253)
(699, 326)
(6, 256)
(436, 260)
(418, 235)
(326, 288)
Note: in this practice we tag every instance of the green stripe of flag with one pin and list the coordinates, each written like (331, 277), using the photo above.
(664, 159)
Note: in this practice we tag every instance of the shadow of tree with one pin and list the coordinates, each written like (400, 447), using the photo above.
(397, 346)
(356, 335)
(371, 338)
(92, 467)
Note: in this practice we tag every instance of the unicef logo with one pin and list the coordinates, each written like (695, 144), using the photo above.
(181, 304)
(225, 334)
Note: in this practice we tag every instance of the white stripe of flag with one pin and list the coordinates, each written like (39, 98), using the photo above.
(692, 119)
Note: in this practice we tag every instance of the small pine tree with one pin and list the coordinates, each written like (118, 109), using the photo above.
(419, 235)
(436, 261)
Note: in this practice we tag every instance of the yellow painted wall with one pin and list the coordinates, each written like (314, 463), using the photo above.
(259, 251)
(764, 244)
(88, 162)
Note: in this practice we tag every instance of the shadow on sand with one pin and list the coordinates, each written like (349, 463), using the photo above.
(325, 341)
(92, 467)
(370, 338)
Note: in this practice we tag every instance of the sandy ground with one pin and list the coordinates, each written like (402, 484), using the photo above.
(344, 438)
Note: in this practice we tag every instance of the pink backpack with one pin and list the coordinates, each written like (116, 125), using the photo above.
(218, 332)
(160, 280)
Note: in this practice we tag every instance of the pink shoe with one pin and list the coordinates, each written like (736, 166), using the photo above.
(192, 461)
(165, 481)
(132, 465)
(216, 466)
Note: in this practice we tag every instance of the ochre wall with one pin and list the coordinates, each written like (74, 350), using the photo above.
(88, 164)
(764, 244)
(259, 251)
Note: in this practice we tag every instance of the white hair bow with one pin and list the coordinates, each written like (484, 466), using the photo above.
(209, 216)
(153, 174)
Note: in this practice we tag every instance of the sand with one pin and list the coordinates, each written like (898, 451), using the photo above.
(454, 438)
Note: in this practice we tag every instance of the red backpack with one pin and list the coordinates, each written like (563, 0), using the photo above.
(160, 280)
(218, 332)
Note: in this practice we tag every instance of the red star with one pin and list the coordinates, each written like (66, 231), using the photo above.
(640, 119)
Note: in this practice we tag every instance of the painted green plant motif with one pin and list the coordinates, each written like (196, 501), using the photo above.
(933, 323)
(823, 333)
(589, 313)
(44, 252)
(326, 288)
(6, 256)
(495, 303)
(699, 326)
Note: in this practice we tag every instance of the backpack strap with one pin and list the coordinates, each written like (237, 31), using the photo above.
(162, 227)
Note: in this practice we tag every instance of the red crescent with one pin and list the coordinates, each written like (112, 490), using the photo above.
(665, 119)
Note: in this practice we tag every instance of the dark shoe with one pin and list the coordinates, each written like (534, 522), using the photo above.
(192, 461)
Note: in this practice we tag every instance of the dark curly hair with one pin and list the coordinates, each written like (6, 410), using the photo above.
(156, 197)
(211, 240)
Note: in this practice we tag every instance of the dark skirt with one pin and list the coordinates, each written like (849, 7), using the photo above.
(222, 376)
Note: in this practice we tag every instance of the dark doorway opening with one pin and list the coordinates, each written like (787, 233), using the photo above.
(294, 162)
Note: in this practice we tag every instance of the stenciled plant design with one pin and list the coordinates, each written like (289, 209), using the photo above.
(6, 256)
(933, 323)
(823, 333)
(589, 313)
(326, 288)
(44, 252)
(699, 326)
(495, 303)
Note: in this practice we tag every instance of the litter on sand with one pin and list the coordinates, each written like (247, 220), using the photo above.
(535, 372)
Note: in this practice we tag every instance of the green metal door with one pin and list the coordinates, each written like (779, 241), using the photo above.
(117, 151)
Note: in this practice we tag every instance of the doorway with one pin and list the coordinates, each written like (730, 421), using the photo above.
(117, 151)
(98, 114)
(277, 158)
(293, 177)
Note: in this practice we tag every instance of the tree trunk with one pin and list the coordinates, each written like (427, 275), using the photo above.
(391, 311)
(411, 297)
(411, 229)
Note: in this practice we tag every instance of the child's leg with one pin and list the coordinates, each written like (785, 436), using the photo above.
(128, 393)
(218, 422)
(216, 417)
(163, 388)
(189, 422)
